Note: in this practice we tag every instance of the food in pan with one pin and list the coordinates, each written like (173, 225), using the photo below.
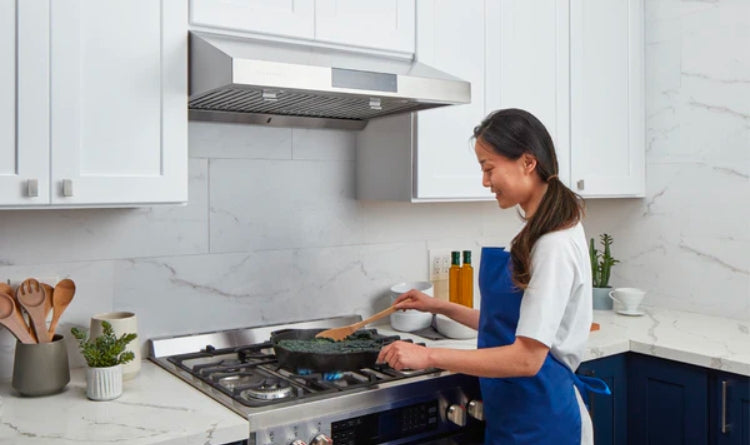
(357, 342)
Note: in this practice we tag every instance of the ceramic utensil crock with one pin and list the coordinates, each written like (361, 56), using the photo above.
(41, 368)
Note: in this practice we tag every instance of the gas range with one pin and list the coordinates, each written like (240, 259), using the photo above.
(373, 405)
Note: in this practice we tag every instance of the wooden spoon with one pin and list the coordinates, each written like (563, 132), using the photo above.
(6, 289)
(339, 334)
(63, 295)
(30, 295)
(9, 319)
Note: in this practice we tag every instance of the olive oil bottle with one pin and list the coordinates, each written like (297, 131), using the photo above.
(454, 287)
(466, 281)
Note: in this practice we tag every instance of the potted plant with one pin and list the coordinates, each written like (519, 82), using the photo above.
(601, 266)
(104, 356)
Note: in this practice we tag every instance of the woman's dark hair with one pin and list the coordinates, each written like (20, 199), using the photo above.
(511, 133)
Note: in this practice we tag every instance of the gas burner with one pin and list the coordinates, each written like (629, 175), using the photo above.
(232, 380)
(269, 388)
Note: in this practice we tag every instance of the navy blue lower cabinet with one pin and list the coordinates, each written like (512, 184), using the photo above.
(668, 402)
(730, 413)
(608, 413)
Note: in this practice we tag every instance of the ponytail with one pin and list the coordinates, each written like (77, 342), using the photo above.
(560, 208)
(511, 133)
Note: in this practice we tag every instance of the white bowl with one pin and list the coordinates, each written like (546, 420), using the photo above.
(453, 329)
(411, 319)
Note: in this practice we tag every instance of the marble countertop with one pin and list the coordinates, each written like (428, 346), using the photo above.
(155, 408)
(702, 340)
(159, 408)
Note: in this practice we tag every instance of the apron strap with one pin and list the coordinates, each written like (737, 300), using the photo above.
(586, 384)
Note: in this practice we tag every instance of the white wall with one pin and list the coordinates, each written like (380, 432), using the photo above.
(687, 243)
(273, 233)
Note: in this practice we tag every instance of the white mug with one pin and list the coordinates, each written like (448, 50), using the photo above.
(628, 297)
(122, 323)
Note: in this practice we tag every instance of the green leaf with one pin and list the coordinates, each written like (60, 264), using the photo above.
(105, 350)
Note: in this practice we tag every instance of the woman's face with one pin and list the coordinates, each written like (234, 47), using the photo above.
(512, 181)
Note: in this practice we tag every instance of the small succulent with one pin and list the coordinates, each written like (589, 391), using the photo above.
(106, 350)
(601, 262)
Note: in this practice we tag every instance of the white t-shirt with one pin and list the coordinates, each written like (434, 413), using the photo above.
(556, 307)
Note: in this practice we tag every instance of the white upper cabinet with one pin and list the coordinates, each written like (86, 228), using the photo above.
(292, 18)
(385, 24)
(575, 64)
(450, 40)
(528, 65)
(429, 156)
(118, 101)
(99, 104)
(607, 98)
(24, 101)
(382, 25)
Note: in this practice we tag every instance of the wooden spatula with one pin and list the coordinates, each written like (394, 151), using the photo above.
(6, 289)
(339, 334)
(30, 295)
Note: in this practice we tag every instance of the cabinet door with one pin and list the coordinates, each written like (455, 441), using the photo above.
(118, 101)
(293, 18)
(385, 24)
(450, 38)
(24, 100)
(607, 98)
(731, 413)
(608, 413)
(667, 402)
(527, 63)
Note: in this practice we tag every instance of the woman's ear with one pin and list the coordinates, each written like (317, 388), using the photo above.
(529, 162)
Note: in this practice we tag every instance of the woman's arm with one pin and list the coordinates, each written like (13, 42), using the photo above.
(523, 358)
(462, 314)
(415, 299)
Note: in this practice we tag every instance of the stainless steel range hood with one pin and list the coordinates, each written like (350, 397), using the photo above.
(284, 84)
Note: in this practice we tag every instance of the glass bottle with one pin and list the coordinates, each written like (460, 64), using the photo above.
(466, 281)
(453, 278)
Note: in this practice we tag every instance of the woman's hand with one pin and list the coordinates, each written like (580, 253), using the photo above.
(414, 299)
(403, 355)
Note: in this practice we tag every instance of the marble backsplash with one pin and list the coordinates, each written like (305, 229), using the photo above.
(273, 233)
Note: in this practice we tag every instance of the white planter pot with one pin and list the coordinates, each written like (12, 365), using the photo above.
(104, 383)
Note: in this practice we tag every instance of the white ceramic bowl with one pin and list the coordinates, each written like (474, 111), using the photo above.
(410, 320)
(453, 329)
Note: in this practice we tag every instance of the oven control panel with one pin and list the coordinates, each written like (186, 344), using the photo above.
(382, 415)
(387, 425)
(381, 427)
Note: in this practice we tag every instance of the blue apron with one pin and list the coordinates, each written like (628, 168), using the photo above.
(523, 410)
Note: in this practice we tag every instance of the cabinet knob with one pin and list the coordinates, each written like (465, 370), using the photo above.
(457, 415)
(580, 184)
(475, 409)
(32, 188)
(67, 187)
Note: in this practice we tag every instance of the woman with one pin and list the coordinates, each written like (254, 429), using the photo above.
(536, 300)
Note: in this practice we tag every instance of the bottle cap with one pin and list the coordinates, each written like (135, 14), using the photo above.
(456, 257)
(467, 256)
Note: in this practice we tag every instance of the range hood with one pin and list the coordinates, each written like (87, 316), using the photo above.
(285, 84)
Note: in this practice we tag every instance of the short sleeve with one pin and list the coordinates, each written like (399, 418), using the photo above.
(544, 301)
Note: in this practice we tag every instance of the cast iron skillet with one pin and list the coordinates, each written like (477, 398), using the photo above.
(323, 362)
